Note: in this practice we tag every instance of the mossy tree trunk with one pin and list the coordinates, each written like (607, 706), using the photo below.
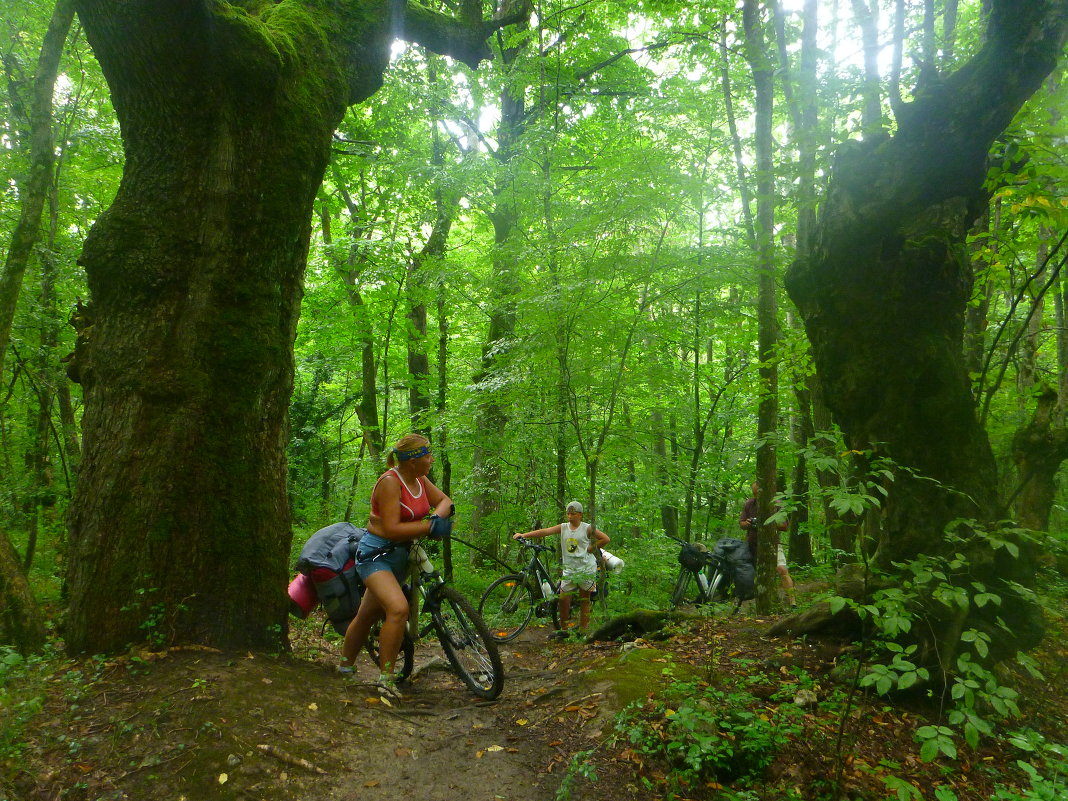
(180, 527)
(883, 295)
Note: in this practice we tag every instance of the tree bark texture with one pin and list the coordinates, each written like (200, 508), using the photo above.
(1038, 450)
(884, 289)
(21, 622)
(185, 353)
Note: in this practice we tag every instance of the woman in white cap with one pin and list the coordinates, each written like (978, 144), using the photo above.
(579, 543)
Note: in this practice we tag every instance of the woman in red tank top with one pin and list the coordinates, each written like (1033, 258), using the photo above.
(401, 500)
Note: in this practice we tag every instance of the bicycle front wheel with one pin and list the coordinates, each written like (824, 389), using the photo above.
(507, 606)
(678, 597)
(467, 643)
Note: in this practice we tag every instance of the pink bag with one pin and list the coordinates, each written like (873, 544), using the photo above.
(302, 596)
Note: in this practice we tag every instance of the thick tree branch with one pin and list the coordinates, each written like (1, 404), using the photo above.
(461, 39)
(945, 134)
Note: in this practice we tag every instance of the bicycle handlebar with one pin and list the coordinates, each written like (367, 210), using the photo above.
(526, 543)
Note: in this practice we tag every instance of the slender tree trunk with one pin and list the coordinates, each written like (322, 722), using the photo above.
(866, 15)
(491, 416)
(21, 622)
(801, 432)
(669, 513)
(767, 317)
(804, 116)
(442, 431)
(350, 270)
(419, 396)
(34, 191)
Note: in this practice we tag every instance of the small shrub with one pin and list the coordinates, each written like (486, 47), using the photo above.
(707, 734)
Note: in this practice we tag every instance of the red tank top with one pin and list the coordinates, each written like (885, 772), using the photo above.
(412, 507)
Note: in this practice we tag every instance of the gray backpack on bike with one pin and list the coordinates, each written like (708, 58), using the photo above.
(735, 554)
(329, 559)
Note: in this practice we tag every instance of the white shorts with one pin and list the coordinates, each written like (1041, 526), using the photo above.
(781, 557)
(580, 583)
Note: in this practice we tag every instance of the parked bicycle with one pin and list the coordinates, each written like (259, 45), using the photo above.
(709, 573)
(468, 645)
(509, 603)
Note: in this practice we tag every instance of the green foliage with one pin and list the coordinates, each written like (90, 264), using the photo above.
(708, 734)
(1045, 766)
(23, 687)
(580, 767)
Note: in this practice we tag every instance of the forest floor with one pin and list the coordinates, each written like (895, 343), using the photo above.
(196, 724)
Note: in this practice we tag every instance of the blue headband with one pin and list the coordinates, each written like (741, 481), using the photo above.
(415, 453)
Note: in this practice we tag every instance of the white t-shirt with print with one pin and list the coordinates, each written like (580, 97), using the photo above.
(573, 550)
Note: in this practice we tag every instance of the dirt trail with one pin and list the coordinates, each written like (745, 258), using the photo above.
(199, 725)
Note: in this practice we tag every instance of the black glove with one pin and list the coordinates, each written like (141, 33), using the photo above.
(440, 527)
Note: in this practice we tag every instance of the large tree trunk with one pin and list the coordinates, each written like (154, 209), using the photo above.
(195, 273)
(185, 355)
(883, 295)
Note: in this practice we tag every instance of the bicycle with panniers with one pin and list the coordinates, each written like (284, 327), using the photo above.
(706, 576)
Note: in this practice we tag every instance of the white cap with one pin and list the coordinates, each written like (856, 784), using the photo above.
(574, 506)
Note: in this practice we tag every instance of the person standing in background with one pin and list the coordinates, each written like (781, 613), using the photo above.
(579, 543)
(745, 521)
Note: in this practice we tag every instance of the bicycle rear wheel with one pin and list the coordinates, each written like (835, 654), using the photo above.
(402, 668)
(678, 597)
(467, 643)
(507, 606)
(715, 583)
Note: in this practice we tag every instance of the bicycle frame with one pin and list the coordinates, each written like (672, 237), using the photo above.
(422, 577)
(539, 573)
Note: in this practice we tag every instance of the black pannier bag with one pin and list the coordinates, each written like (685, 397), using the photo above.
(735, 554)
(692, 556)
(329, 559)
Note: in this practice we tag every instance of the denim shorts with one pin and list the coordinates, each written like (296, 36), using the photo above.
(395, 558)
